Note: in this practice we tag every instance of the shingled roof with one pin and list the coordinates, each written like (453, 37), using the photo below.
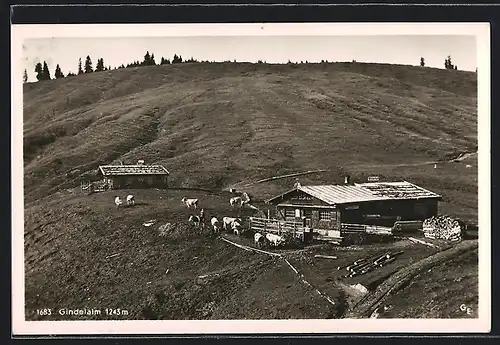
(115, 170)
(397, 190)
(360, 192)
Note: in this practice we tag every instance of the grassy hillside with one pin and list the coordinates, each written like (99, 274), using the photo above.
(215, 126)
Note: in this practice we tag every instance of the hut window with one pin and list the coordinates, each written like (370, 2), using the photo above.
(324, 215)
(307, 213)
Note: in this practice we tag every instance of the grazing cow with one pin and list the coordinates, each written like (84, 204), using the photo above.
(118, 201)
(235, 201)
(246, 198)
(259, 239)
(215, 224)
(228, 222)
(236, 227)
(275, 240)
(195, 220)
(190, 202)
(130, 199)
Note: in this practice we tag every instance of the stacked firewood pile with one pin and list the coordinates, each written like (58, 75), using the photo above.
(369, 263)
(442, 228)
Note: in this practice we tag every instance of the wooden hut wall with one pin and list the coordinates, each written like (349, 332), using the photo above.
(139, 181)
(387, 212)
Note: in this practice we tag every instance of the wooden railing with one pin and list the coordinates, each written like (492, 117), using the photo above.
(369, 229)
(275, 226)
(347, 227)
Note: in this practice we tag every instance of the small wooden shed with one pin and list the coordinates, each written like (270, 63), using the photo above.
(134, 176)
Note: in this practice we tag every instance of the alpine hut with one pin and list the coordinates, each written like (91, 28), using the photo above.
(331, 208)
(139, 175)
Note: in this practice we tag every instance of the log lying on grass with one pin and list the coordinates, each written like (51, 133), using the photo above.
(369, 263)
(325, 257)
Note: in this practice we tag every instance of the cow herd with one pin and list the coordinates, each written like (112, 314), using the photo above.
(232, 224)
(228, 224)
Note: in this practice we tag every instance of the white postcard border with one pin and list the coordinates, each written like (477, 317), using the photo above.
(179, 327)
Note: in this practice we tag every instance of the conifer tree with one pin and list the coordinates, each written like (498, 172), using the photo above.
(80, 70)
(58, 73)
(25, 76)
(39, 71)
(46, 72)
(88, 65)
(100, 65)
(147, 59)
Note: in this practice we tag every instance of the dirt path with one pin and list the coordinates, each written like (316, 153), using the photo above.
(239, 184)
(369, 303)
(459, 157)
(294, 269)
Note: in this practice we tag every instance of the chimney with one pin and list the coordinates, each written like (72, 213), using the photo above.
(347, 179)
(297, 183)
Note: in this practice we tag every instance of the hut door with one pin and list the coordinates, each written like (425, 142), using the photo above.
(314, 218)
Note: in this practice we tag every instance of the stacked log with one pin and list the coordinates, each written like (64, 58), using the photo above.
(369, 263)
(442, 228)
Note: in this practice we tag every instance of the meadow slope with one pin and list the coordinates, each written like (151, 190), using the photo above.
(213, 126)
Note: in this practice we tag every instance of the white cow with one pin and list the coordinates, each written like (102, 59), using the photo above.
(195, 220)
(236, 227)
(215, 224)
(246, 198)
(235, 201)
(228, 222)
(118, 201)
(259, 239)
(130, 199)
(190, 202)
(275, 240)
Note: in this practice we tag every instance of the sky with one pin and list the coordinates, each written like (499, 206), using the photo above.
(397, 49)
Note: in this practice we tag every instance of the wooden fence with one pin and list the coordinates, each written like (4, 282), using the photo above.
(364, 228)
(297, 230)
(276, 226)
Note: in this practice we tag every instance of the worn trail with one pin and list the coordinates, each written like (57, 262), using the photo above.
(294, 269)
